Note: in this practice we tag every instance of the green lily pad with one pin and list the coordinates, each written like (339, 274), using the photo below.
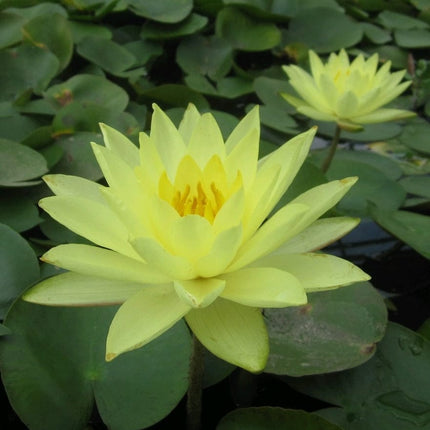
(390, 391)
(209, 56)
(410, 227)
(336, 330)
(53, 369)
(18, 127)
(278, 120)
(244, 32)
(373, 186)
(88, 89)
(412, 38)
(36, 9)
(144, 50)
(10, 29)
(269, 92)
(18, 211)
(281, 8)
(110, 56)
(175, 95)
(394, 20)
(25, 68)
(81, 30)
(383, 163)
(190, 25)
(51, 32)
(376, 34)
(269, 418)
(168, 11)
(19, 164)
(418, 185)
(334, 31)
(18, 265)
(78, 158)
(416, 136)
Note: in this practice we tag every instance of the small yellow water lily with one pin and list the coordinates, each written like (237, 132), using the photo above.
(180, 232)
(350, 94)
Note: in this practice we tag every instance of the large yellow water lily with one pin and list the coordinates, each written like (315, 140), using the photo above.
(179, 232)
(348, 93)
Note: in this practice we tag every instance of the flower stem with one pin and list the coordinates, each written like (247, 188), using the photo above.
(195, 388)
(332, 150)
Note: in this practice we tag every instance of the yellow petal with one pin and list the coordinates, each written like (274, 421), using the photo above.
(206, 141)
(74, 289)
(120, 145)
(173, 266)
(221, 254)
(347, 104)
(318, 235)
(191, 237)
(199, 292)
(290, 156)
(279, 228)
(168, 141)
(102, 263)
(189, 122)
(249, 122)
(263, 287)
(91, 220)
(316, 272)
(243, 157)
(322, 198)
(316, 114)
(231, 212)
(142, 318)
(74, 186)
(232, 332)
(382, 115)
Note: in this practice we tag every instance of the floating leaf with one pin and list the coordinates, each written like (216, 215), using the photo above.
(416, 136)
(394, 20)
(169, 11)
(81, 30)
(53, 368)
(376, 34)
(190, 25)
(244, 32)
(269, 418)
(10, 29)
(19, 164)
(418, 185)
(335, 30)
(412, 38)
(110, 56)
(209, 56)
(390, 391)
(411, 228)
(25, 68)
(18, 211)
(88, 89)
(336, 330)
(51, 32)
(19, 267)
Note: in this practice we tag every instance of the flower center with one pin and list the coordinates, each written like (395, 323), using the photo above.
(196, 191)
(198, 201)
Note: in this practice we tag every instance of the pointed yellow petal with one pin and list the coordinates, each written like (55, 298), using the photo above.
(318, 235)
(316, 272)
(74, 186)
(231, 212)
(199, 292)
(279, 228)
(142, 318)
(91, 220)
(191, 237)
(244, 158)
(263, 287)
(120, 145)
(322, 198)
(173, 266)
(74, 289)
(316, 114)
(347, 104)
(382, 115)
(249, 122)
(103, 263)
(168, 141)
(232, 332)
(189, 122)
(206, 141)
(221, 254)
